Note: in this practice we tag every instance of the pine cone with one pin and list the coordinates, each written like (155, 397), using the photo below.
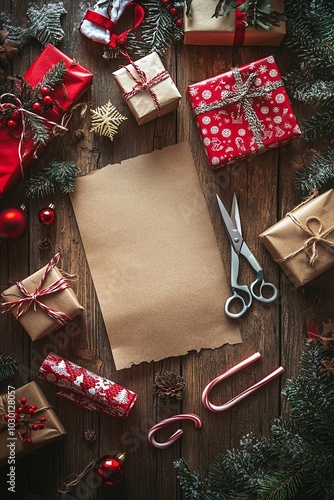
(8, 48)
(169, 386)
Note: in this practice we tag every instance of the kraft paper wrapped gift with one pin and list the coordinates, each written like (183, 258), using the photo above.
(203, 29)
(302, 243)
(53, 429)
(159, 95)
(62, 304)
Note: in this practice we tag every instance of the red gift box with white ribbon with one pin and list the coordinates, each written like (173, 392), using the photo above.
(243, 112)
(17, 154)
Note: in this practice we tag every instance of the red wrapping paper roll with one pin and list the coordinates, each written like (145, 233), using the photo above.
(87, 389)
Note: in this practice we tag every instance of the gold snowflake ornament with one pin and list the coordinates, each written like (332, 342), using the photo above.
(106, 120)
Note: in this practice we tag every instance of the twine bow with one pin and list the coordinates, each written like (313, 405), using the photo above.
(316, 238)
(143, 82)
(109, 25)
(243, 93)
(19, 107)
(23, 304)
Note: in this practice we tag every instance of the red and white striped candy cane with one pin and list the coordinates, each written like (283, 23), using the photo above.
(184, 416)
(245, 393)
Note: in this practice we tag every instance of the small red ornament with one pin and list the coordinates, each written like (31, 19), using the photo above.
(47, 215)
(16, 114)
(179, 22)
(47, 100)
(109, 470)
(13, 223)
(45, 91)
(12, 123)
(37, 107)
(173, 11)
(23, 401)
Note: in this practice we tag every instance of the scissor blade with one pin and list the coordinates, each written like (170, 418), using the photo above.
(234, 236)
(235, 214)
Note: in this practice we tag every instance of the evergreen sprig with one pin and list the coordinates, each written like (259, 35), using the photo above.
(318, 174)
(44, 25)
(297, 463)
(8, 365)
(58, 174)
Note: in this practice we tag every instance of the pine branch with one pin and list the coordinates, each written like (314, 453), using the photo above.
(8, 365)
(58, 174)
(44, 25)
(55, 75)
(320, 124)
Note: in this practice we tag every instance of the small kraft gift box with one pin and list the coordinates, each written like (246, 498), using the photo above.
(302, 243)
(202, 27)
(42, 302)
(147, 88)
(50, 104)
(27, 422)
(243, 112)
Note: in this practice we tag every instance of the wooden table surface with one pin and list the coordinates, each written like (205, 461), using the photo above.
(264, 186)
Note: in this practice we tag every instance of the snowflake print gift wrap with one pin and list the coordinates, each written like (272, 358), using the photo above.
(87, 389)
(243, 112)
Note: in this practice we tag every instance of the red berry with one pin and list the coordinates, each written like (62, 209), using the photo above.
(173, 11)
(37, 107)
(20, 409)
(31, 411)
(45, 90)
(47, 100)
(16, 114)
(179, 22)
(16, 415)
(11, 123)
(165, 2)
(41, 426)
(34, 427)
(42, 419)
(169, 7)
(28, 440)
(6, 416)
(34, 407)
(23, 401)
(23, 433)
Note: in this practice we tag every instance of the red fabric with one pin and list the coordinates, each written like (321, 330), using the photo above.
(76, 81)
(87, 389)
(225, 132)
(240, 25)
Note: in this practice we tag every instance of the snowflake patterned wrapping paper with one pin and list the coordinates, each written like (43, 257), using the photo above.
(243, 112)
(53, 429)
(302, 242)
(149, 92)
(76, 81)
(87, 389)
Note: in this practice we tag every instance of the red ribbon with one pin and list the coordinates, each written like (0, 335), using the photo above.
(240, 25)
(109, 25)
(143, 82)
(24, 303)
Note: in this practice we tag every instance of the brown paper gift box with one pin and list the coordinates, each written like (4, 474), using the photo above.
(142, 105)
(35, 321)
(53, 428)
(202, 29)
(294, 239)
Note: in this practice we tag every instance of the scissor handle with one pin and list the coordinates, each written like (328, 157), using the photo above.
(262, 284)
(237, 297)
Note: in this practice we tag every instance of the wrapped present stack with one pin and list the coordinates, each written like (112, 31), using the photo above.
(243, 112)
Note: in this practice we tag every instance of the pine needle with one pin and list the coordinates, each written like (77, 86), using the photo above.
(8, 365)
(58, 175)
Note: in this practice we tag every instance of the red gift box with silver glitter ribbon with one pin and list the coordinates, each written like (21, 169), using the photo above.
(87, 389)
(243, 112)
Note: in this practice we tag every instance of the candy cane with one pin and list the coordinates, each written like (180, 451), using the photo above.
(242, 395)
(184, 416)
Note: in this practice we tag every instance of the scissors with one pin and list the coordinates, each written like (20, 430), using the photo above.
(242, 295)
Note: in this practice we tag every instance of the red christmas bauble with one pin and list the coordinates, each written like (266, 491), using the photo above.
(37, 107)
(45, 90)
(109, 470)
(47, 215)
(12, 123)
(13, 223)
(47, 100)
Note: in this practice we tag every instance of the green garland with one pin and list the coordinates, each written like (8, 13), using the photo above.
(298, 462)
